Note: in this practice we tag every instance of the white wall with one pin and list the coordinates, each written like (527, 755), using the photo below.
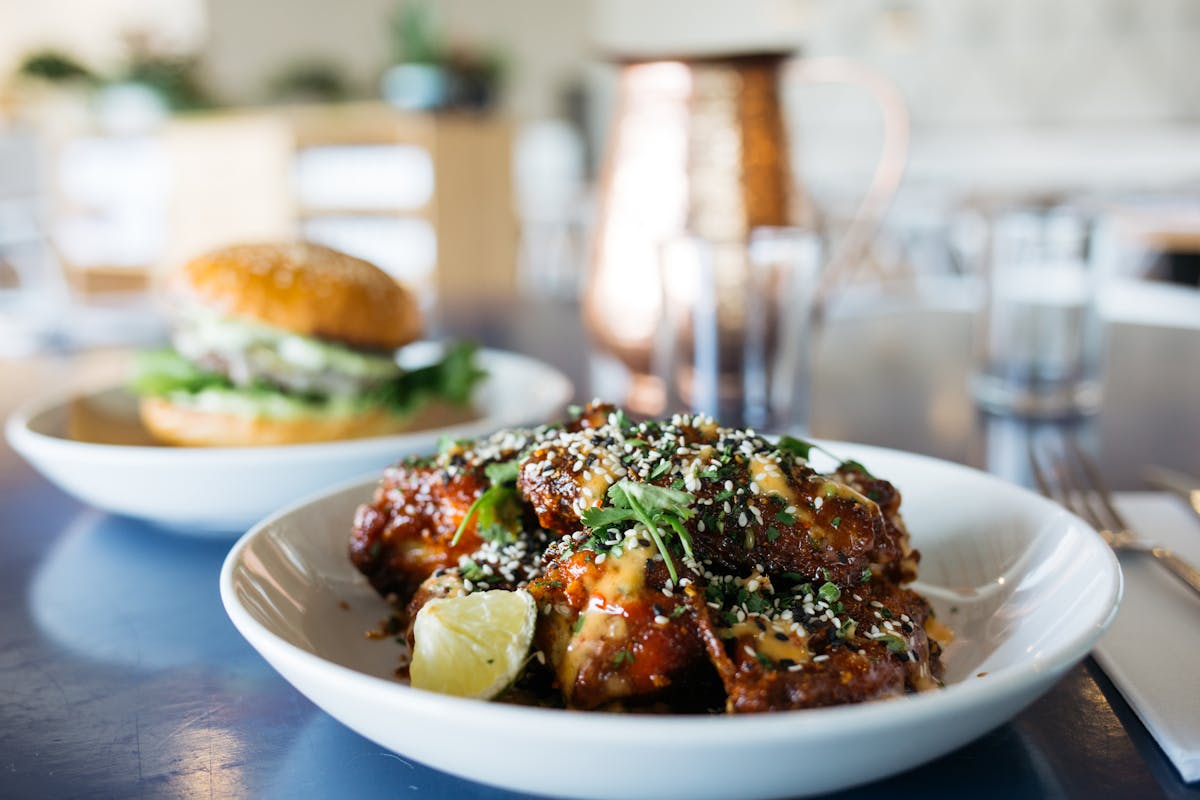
(545, 42)
(92, 30)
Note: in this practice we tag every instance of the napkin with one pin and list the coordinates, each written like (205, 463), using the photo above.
(1152, 651)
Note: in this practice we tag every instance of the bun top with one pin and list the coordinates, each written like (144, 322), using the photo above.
(306, 289)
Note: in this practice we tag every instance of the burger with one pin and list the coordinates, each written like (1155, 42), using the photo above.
(289, 343)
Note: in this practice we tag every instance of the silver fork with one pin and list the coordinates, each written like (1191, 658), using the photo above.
(1091, 499)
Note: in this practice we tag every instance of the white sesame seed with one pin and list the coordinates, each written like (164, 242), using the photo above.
(660, 619)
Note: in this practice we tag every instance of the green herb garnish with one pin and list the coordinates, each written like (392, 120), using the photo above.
(622, 657)
(497, 510)
(829, 592)
(660, 469)
(854, 466)
(655, 507)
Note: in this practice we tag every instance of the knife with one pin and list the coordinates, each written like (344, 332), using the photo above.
(1178, 483)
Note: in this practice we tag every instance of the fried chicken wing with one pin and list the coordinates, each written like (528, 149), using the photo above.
(613, 631)
(676, 563)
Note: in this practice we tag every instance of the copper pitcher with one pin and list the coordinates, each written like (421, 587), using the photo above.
(699, 146)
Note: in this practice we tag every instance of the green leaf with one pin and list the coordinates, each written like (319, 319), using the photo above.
(451, 379)
(605, 518)
(497, 507)
(660, 469)
(502, 471)
(854, 466)
(158, 372)
(652, 507)
(797, 447)
(829, 592)
(659, 498)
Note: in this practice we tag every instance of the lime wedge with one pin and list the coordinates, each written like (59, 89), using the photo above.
(473, 645)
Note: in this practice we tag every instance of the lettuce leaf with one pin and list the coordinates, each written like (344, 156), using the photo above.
(161, 371)
(452, 379)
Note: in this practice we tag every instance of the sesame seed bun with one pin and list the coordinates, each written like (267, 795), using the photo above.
(306, 289)
(179, 425)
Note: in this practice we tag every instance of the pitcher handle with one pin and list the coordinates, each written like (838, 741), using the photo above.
(845, 258)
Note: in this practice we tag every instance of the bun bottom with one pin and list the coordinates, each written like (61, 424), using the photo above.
(177, 425)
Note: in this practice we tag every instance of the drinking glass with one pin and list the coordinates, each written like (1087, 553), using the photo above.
(734, 337)
(1039, 344)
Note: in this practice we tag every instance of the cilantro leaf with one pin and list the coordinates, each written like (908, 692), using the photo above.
(829, 592)
(854, 466)
(502, 471)
(658, 509)
(497, 510)
(797, 447)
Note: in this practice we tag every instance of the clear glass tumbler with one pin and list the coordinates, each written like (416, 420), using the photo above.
(735, 335)
(1039, 342)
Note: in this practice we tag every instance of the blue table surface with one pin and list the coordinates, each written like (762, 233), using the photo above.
(121, 676)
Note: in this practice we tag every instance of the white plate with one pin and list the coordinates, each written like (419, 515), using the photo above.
(224, 490)
(1027, 587)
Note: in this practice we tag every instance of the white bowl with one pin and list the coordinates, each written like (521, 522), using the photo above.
(224, 490)
(1027, 588)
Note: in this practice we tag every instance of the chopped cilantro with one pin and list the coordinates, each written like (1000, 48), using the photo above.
(797, 447)
(659, 509)
(497, 510)
(854, 466)
(502, 472)
(660, 469)
(622, 657)
(829, 592)
(756, 603)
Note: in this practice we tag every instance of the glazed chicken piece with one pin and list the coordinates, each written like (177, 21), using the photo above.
(404, 534)
(612, 632)
(762, 585)
(869, 643)
(408, 530)
(755, 505)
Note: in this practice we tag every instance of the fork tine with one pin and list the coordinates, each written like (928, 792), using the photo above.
(1039, 476)
(1071, 496)
(1065, 488)
(1097, 481)
(1080, 502)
